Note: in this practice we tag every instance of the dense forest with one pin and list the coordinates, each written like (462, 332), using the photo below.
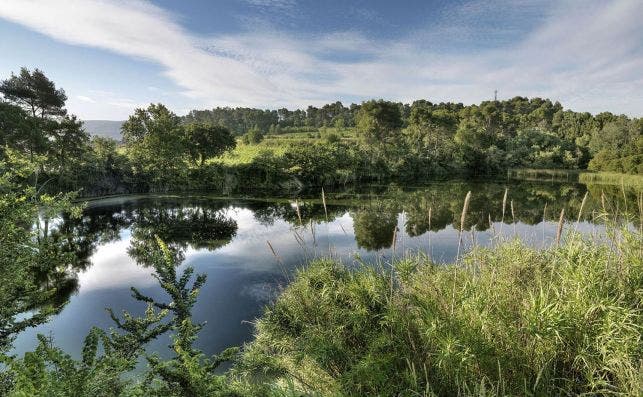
(374, 141)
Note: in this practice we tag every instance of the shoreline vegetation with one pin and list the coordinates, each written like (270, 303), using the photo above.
(629, 181)
(503, 320)
(509, 319)
(632, 183)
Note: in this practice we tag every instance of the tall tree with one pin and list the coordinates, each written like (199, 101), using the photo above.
(155, 139)
(34, 92)
(68, 142)
(206, 140)
(378, 121)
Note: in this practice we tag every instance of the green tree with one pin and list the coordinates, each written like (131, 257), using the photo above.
(155, 141)
(339, 123)
(537, 148)
(378, 122)
(253, 136)
(430, 134)
(34, 92)
(204, 141)
(68, 143)
(19, 131)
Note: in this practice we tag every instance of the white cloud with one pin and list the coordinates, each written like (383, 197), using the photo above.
(588, 55)
(84, 98)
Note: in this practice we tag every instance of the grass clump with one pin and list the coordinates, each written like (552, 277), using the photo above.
(511, 320)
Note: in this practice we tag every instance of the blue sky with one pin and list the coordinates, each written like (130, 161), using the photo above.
(113, 56)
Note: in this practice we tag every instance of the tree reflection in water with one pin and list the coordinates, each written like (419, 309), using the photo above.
(201, 223)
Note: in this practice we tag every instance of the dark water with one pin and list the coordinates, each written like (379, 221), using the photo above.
(226, 238)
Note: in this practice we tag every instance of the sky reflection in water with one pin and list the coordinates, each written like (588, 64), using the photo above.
(227, 240)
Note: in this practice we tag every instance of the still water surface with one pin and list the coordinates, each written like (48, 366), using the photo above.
(226, 238)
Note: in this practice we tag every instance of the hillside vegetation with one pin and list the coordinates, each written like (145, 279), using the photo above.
(232, 149)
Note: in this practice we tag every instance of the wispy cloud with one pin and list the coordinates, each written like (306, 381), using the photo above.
(588, 55)
(84, 98)
(282, 4)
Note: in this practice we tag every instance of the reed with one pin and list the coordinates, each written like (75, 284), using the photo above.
(559, 229)
(640, 205)
(510, 320)
(324, 202)
(513, 217)
(544, 222)
(540, 174)
(504, 208)
(504, 204)
(603, 201)
(463, 218)
(298, 211)
(272, 250)
(629, 181)
(580, 211)
(312, 233)
(428, 233)
(394, 242)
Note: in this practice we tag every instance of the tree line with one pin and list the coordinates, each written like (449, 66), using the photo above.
(492, 135)
(383, 140)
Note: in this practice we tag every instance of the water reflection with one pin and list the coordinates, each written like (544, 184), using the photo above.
(226, 239)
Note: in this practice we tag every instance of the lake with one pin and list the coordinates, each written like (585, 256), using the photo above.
(227, 239)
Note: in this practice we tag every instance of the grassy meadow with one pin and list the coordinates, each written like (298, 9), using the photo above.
(277, 145)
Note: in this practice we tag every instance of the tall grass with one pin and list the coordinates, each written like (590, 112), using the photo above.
(512, 320)
(629, 181)
(634, 182)
(543, 174)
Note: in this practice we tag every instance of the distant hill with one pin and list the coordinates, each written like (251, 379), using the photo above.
(106, 128)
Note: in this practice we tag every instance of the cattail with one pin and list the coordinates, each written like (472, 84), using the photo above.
(463, 218)
(273, 252)
(504, 204)
(394, 238)
(624, 195)
(312, 232)
(343, 230)
(298, 212)
(544, 219)
(299, 238)
(580, 211)
(473, 235)
(324, 202)
(640, 203)
(559, 231)
(513, 216)
(465, 209)
(428, 233)
(603, 201)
